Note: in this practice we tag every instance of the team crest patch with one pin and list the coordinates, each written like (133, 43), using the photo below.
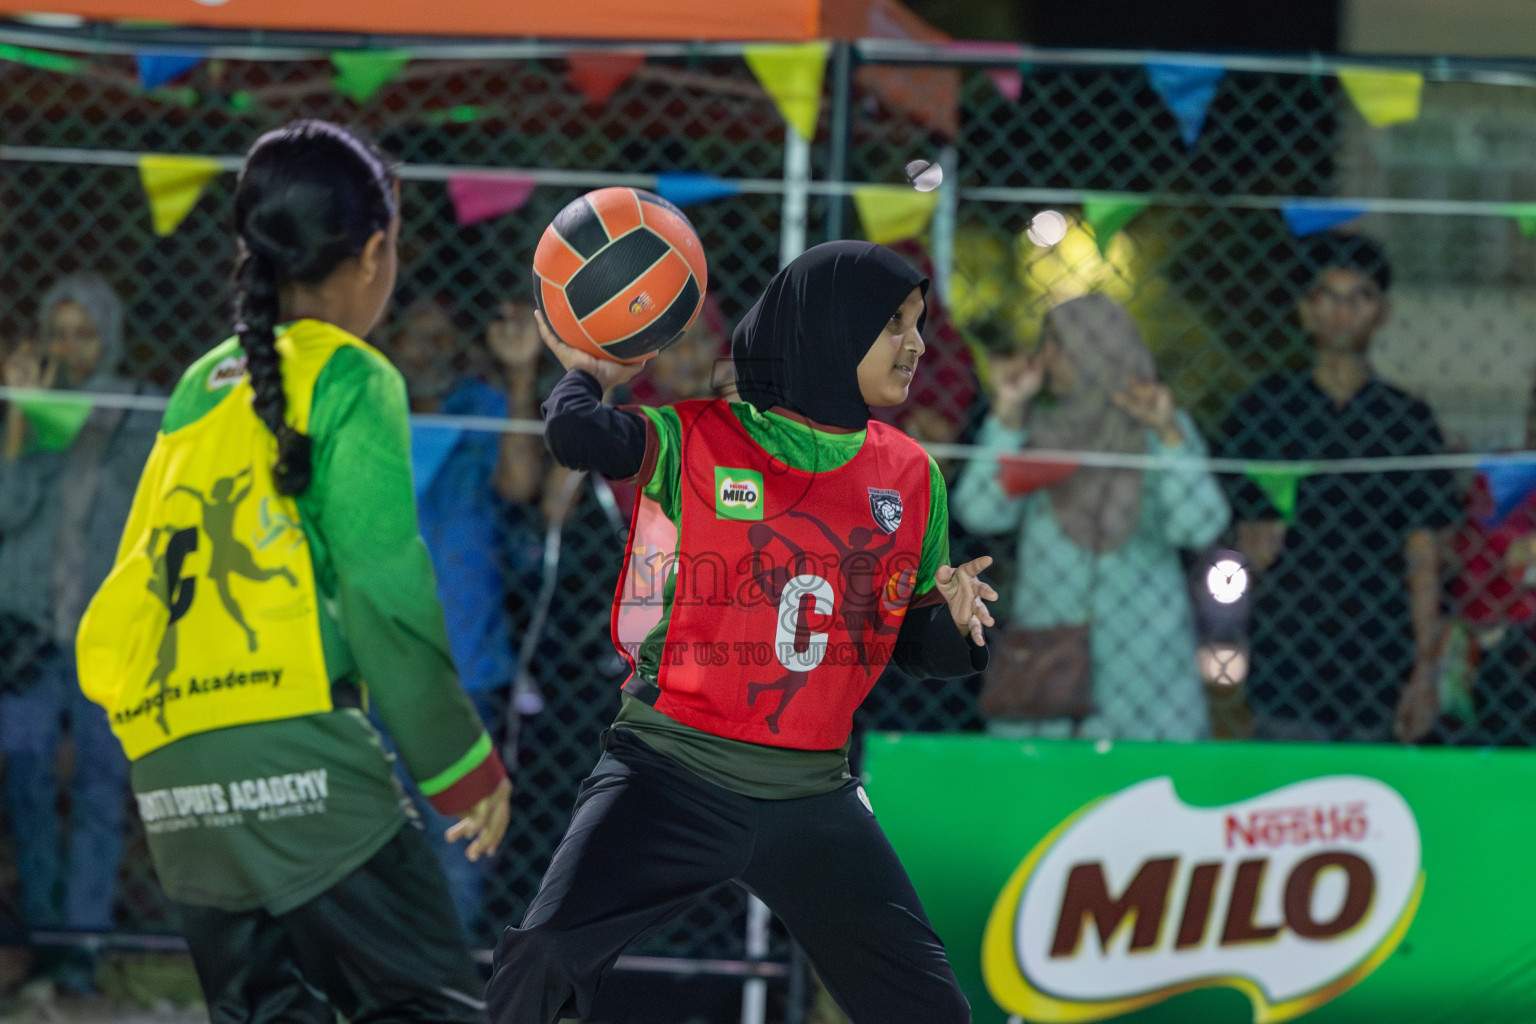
(885, 506)
(738, 494)
(228, 371)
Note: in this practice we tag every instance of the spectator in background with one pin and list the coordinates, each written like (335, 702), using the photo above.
(1490, 648)
(1101, 547)
(65, 488)
(466, 483)
(1346, 604)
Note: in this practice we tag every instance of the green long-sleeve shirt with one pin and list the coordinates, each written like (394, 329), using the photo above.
(317, 798)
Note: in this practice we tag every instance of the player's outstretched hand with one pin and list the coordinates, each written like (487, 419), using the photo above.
(607, 372)
(967, 596)
(485, 823)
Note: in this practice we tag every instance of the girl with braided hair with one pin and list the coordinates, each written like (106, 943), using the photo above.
(273, 817)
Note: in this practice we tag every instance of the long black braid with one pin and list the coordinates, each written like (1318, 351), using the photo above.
(310, 196)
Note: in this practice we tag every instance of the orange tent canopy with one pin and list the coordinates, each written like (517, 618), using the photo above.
(683, 20)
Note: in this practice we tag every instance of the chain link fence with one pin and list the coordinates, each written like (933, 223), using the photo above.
(1273, 592)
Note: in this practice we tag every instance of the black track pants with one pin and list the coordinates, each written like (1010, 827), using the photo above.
(383, 945)
(648, 837)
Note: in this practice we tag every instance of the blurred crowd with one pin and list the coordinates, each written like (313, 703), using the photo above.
(1148, 597)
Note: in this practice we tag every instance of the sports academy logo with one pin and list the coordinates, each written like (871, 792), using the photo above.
(1292, 898)
(738, 494)
(885, 506)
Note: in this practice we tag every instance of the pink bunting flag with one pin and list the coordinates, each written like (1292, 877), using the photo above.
(478, 197)
(1008, 81)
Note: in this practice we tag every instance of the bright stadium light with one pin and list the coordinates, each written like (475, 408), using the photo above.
(1227, 581)
(1047, 228)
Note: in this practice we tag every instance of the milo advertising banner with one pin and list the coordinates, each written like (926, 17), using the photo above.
(1221, 883)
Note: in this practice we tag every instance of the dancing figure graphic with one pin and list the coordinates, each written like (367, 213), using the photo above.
(229, 557)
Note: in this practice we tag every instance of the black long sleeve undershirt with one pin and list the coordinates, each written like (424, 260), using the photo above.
(930, 646)
(582, 432)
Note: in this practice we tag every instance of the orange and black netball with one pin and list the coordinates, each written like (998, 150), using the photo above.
(620, 273)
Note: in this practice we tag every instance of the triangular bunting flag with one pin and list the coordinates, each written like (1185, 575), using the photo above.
(792, 75)
(598, 75)
(155, 69)
(173, 185)
(56, 422)
(361, 73)
(1018, 475)
(890, 213)
(1280, 486)
(1311, 218)
(478, 197)
(1509, 484)
(684, 188)
(1384, 97)
(430, 448)
(455, 115)
(1009, 82)
(1188, 90)
(1107, 216)
(1524, 215)
(41, 59)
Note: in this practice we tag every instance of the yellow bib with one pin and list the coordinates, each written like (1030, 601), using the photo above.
(210, 616)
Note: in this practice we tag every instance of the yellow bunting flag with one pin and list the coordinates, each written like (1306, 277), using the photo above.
(792, 75)
(1384, 97)
(890, 213)
(173, 184)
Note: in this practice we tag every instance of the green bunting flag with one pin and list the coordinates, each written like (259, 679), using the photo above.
(56, 422)
(1107, 216)
(1524, 215)
(362, 73)
(41, 59)
(455, 115)
(1279, 486)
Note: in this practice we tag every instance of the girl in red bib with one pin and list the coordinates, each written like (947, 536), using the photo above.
(784, 550)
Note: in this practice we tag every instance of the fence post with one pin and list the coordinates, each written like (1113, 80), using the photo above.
(837, 162)
(797, 175)
(942, 242)
(754, 993)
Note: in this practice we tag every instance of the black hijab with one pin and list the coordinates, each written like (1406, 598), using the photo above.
(800, 345)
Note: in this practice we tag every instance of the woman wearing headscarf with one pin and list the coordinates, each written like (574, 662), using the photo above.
(66, 484)
(1100, 548)
(808, 547)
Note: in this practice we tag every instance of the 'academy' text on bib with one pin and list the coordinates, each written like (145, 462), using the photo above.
(219, 805)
